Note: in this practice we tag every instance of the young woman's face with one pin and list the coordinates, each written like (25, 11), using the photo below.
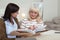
(33, 14)
(14, 14)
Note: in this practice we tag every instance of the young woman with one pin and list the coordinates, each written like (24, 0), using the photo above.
(11, 22)
(34, 22)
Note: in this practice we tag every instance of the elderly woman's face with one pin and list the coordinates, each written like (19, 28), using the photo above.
(33, 14)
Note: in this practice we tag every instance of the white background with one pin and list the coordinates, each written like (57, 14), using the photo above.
(50, 7)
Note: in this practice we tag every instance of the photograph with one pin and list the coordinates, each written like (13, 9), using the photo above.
(29, 19)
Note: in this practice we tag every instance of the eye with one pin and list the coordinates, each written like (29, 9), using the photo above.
(31, 11)
(35, 12)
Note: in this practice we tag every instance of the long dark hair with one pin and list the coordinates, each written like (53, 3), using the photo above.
(11, 8)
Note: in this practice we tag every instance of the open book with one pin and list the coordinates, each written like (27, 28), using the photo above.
(33, 31)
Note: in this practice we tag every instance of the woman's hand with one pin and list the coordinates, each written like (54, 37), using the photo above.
(27, 35)
(16, 33)
(37, 34)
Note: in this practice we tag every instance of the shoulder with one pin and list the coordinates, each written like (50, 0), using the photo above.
(6, 22)
(2, 24)
(1, 20)
(25, 21)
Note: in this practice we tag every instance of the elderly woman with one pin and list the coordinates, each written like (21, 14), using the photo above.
(33, 22)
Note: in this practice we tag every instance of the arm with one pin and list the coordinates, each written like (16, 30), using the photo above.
(15, 33)
(40, 26)
(23, 24)
(11, 31)
(20, 34)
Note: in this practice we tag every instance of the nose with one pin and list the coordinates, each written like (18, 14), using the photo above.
(33, 14)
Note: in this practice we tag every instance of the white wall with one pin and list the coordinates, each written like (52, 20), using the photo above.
(59, 8)
(23, 4)
(50, 9)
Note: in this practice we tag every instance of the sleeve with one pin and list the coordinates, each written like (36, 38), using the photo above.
(9, 29)
(23, 25)
(40, 26)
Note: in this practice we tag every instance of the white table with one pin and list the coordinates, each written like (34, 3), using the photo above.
(49, 35)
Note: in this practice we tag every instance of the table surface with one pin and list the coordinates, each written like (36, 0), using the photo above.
(48, 35)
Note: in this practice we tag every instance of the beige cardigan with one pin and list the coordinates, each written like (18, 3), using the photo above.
(3, 35)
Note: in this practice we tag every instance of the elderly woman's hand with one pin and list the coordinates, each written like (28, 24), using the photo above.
(32, 27)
